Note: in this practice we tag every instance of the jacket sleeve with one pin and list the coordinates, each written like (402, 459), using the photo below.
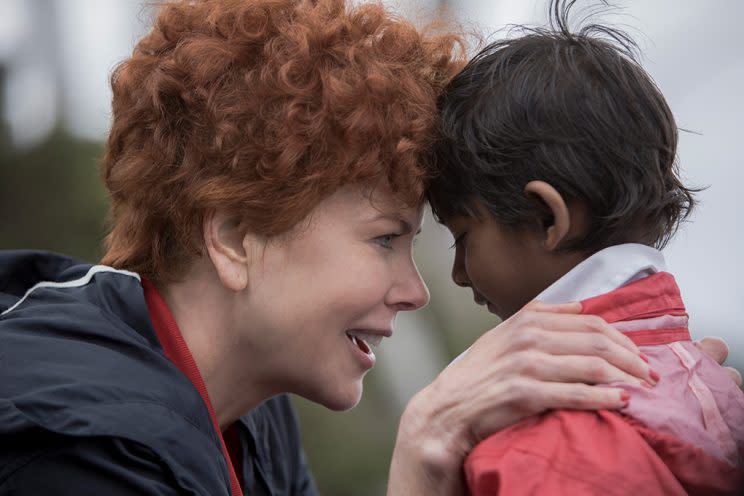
(304, 483)
(568, 452)
(109, 466)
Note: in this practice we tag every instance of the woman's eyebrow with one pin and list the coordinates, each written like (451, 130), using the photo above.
(405, 226)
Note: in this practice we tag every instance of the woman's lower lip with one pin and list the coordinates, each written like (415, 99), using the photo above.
(366, 360)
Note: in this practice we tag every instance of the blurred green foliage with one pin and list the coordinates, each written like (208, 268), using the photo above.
(51, 197)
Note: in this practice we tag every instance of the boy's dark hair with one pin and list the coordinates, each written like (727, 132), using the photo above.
(575, 110)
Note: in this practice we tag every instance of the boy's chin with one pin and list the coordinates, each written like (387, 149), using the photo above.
(499, 312)
(503, 312)
(495, 311)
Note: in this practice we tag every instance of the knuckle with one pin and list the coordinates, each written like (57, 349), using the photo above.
(597, 370)
(596, 324)
(714, 347)
(534, 305)
(600, 344)
(516, 390)
(525, 340)
(735, 375)
(528, 363)
(582, 396)
(527, 317)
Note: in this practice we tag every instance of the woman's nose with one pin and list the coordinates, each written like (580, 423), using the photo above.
(411, 292)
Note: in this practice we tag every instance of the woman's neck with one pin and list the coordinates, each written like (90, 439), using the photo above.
(204, 312)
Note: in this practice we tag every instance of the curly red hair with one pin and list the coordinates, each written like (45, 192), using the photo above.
(263, 108)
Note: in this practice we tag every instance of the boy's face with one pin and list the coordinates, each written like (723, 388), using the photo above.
(505, 267)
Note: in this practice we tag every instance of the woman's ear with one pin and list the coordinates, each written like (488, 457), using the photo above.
(224, 238)
(560, 223)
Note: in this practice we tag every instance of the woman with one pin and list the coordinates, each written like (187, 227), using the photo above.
(266, 172)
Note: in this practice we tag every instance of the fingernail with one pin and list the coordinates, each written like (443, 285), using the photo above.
(644, 357)
(654, 375)
(625, 397)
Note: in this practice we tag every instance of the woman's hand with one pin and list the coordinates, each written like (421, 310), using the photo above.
(716, 349)
(545, 356)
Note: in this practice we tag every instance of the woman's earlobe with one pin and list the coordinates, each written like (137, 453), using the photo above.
(226, 250)
(554, 232)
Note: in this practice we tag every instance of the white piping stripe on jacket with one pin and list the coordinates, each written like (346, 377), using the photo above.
(74, 283)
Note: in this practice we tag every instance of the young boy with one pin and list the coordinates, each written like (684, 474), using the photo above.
(558, 182)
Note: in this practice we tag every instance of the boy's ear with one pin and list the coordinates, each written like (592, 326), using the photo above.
(225, 241)
(560, 218)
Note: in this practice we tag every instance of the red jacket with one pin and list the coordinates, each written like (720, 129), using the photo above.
(684, 436)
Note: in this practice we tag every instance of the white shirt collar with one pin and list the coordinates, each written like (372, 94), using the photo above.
(605, 271)
(601, 273)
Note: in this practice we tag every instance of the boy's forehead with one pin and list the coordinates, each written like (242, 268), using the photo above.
(476, 212)
(456, 222)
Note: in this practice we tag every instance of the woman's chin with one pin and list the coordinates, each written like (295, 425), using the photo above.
(339, 400)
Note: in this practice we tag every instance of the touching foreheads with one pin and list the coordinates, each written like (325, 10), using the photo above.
(263, 108)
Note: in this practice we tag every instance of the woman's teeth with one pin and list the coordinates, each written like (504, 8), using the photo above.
(368, 339)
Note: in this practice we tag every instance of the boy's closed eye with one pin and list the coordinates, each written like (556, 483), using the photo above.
(459, 238)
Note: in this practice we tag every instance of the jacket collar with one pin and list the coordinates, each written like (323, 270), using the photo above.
(605, 271)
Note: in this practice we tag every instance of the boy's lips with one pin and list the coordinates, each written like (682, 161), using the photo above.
(479, 299)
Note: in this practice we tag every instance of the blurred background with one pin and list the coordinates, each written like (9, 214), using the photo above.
(55, 60)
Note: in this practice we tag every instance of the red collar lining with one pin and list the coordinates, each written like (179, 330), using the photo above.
(652, 296)
(178, 352)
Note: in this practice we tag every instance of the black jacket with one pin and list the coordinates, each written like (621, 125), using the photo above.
(89, 403)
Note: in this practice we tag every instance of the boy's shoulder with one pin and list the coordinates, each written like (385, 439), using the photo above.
(584, 452)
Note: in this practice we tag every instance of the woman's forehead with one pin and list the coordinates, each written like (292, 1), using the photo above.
(370, 204)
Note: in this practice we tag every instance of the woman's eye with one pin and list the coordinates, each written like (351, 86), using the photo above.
(386, 241)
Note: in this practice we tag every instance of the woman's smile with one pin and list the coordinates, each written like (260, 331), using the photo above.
(363, 340)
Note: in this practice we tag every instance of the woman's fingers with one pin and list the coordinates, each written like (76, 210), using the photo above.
(573, 369)
(734, 374)
(521, 397)
(602, 352)
(552, 322)
(573, 307)
(565, 334)
(717, 349)
(576, 396)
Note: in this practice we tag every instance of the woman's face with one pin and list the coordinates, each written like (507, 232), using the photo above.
(321, 297)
